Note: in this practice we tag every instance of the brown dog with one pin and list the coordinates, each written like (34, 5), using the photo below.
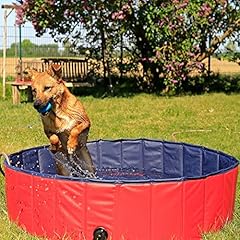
(64, 118)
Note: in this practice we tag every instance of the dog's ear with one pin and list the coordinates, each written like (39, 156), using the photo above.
(55, 70)
(30, 73)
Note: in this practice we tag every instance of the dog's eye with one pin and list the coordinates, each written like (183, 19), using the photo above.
(47, 88)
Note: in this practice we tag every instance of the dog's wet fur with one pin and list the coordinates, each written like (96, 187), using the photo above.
(66, 124)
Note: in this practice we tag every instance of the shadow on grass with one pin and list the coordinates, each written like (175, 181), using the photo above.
(128, 87)
(125, 87)
(214, 83)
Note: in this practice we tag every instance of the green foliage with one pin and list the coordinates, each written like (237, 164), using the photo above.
(30, 49)
(177, 33)
(168, 38)
(212, 83)
(230, 52)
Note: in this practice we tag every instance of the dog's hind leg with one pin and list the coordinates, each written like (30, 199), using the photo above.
(84, 159)
(82, 156)
(78, 167)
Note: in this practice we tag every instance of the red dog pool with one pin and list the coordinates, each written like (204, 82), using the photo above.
(145, 190)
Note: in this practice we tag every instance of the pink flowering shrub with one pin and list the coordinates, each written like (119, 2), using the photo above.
(170, 39)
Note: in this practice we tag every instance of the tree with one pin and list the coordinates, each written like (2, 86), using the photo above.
(30, 49)
(170, 38)
(229, 52)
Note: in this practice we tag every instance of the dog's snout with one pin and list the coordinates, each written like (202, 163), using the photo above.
(37, 103)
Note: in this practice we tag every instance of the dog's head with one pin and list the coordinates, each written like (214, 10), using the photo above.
(47, 86)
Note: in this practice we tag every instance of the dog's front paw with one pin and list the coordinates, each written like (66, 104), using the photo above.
(71, 145)
(71, 150)
(55, 143)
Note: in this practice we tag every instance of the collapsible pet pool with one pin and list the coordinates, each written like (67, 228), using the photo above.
(145, 190)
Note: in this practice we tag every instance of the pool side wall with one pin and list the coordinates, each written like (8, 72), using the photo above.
(161, 210)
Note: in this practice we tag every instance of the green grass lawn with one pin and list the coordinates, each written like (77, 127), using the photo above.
(211, 120)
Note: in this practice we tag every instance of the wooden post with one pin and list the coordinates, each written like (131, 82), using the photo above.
(5, 6)
(209, 57)
(20, 52)
(121, 52)
(16, 97)
(4, 53)
(103, 43)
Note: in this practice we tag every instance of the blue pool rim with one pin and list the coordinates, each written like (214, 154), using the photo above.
(232, 160)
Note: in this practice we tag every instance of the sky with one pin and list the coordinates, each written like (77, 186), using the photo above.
(27, 31)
